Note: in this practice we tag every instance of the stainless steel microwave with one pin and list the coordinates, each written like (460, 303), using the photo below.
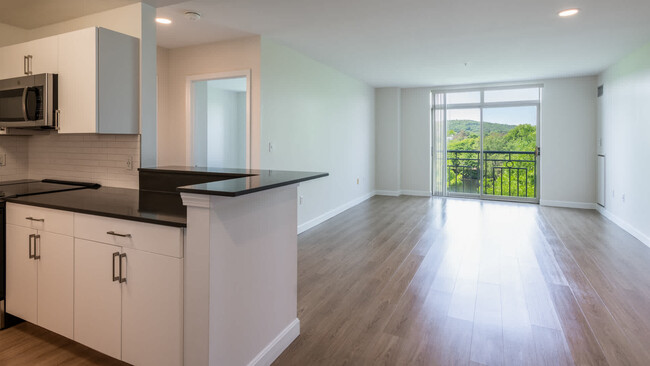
(29, 101)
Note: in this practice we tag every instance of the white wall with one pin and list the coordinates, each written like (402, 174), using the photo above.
(318, 119)
(624, 126)
(568, 142)
(234, 55)
(226, 127)
(387, 140)
(416, 141)
(200, 123)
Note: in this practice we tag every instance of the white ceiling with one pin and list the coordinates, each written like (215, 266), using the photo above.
(427, 42)
(30, 14)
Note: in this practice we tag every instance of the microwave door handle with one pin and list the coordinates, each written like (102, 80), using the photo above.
(25, 103)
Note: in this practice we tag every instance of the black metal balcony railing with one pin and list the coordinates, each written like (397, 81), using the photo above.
(505, 173)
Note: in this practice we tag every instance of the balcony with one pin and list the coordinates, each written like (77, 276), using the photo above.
(505, 173)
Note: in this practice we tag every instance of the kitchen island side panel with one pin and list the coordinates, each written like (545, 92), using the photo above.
(253, 273)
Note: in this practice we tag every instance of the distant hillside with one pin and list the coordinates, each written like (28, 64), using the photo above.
(475, 127)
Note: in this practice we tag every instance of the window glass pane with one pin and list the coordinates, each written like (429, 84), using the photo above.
(464, 97)
(512, 95)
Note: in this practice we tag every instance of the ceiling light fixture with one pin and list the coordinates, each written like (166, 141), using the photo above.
(568, 12)
(192, 16)
(163, 21)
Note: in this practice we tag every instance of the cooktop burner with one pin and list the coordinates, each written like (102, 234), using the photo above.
(32, 187)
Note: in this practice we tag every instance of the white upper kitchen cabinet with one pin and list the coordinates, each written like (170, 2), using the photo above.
(34, 57)
(98, 82)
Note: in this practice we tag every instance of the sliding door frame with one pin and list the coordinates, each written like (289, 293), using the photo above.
(481, 106)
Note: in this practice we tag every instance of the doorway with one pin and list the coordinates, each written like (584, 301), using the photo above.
(486, 143)
(218, 120)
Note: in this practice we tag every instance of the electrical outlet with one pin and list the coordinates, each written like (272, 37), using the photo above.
(129, 162)
(3, 159)
(300, 199)
(270, 147)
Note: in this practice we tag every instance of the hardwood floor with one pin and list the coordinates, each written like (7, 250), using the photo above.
(432, 281)
(27, 344)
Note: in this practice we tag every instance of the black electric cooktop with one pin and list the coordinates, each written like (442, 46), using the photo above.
(19, 188)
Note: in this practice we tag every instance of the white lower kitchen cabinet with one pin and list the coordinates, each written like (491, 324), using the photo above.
(55, 283)
(137, 320)
(152, 309)
(97, 297)
(39, 278)
(22, 277)
(113, 285)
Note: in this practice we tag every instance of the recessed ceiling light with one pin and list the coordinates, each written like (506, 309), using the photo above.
(568, 12)
(163, 21)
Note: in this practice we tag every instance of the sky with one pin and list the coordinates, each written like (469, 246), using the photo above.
(509, 116)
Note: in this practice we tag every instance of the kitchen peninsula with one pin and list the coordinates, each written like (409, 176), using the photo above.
(212, 283)
(240, 261)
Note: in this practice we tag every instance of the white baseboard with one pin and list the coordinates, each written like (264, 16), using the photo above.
(624, 225)
(569, 204)
(328, 215)
(416, 193)
(278, 345)
(403, 193)
(387, 193)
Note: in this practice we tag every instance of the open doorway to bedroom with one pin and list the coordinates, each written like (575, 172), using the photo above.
(486, 143)
(219, 120)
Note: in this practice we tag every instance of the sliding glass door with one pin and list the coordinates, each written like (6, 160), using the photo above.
(490, 143)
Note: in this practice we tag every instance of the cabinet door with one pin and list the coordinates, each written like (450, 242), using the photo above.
(45, 55)
(21, 272)
(78, 81)
(55, 282)
(97, 297)
(152, 309)
(12, 61)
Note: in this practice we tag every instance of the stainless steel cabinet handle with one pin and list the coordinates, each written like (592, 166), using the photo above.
(115, 255)
(118, 234)
(37, 256)
(31, 256)
(122, 277)
(33, 219)
(29, 64)
(25, 65)
(57, 118)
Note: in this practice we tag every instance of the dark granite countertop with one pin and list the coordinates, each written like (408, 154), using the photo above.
(121, 203)
(238, 181)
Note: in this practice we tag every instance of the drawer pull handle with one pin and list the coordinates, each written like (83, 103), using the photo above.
(31, 256)
(115, 255)
(118, 234)
(122, 277)
(33, 219)
(37, 256)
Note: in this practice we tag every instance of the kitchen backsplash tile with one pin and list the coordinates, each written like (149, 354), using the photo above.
(14, 149)
(85, 157)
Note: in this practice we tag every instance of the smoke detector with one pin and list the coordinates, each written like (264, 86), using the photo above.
(192, 16)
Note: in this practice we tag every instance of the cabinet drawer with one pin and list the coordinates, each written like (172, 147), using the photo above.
(165, 240)
(45, 219)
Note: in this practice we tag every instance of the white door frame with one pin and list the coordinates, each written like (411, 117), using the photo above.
(189, 110)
